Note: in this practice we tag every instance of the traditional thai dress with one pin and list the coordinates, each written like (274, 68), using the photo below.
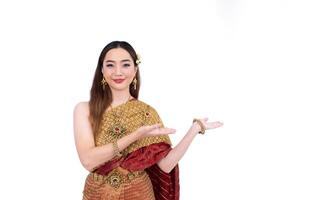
(135, 175)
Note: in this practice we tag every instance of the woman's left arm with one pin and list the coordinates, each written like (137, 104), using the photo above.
(171, 160)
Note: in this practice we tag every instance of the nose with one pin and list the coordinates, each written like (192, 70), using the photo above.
(118, 70)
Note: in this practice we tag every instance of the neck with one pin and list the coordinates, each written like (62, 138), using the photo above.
(120, 97)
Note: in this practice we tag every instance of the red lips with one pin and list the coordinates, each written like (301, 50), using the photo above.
(118, 80)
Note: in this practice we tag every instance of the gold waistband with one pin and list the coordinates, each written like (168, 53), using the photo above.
(117, 177)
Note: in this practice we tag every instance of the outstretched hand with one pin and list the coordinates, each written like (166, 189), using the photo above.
(154, 130)
(210, 125)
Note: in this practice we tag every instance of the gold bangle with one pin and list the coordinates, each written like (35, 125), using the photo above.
(116, 149)
(202, 131)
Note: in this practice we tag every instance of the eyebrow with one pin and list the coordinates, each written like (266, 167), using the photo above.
(125, 60)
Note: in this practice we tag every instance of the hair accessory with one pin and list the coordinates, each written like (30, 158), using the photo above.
(138, 59)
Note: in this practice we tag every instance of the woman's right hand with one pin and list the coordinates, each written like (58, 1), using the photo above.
(153, 130)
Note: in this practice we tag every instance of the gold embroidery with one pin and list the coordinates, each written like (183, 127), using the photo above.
(116, 177)
(125, 119)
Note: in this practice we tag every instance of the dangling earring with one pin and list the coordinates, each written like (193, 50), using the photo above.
(104, 83)
(135, 83)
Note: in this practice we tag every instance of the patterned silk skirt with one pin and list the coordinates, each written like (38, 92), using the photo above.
(119, 184)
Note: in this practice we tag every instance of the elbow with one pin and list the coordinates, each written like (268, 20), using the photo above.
(166, 170)
(164, 166)
(87, 164)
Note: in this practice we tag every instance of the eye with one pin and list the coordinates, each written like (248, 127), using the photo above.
(109, 65)
(126, 65)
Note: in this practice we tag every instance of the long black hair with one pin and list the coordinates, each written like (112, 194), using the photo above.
(100, 99)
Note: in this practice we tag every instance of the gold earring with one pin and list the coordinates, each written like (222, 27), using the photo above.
(104, 83)
(135, 83)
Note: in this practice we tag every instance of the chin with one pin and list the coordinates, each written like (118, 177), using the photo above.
(120, 88)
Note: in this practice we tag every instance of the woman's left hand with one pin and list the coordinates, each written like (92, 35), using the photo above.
(210, 125)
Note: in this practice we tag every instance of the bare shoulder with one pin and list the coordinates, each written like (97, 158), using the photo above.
(81, 108)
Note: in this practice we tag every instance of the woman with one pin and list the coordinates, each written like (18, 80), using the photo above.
(122, 140)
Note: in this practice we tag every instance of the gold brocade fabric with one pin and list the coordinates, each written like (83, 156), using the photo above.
(118, 184)
(125, 119)
(140, 188)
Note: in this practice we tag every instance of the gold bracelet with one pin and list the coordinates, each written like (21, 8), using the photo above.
(116, 149)
(202, 131)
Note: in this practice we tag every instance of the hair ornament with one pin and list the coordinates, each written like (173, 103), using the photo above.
(138, 59)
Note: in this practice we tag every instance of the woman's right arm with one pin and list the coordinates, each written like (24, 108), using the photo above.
(92, 156)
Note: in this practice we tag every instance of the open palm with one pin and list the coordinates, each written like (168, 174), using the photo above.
(154, 130)
(210, 125)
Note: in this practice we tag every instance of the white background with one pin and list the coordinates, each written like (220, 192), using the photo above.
(250, 64)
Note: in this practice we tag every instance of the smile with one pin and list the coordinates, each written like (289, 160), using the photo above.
(118, 80)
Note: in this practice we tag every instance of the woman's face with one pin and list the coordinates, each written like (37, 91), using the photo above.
(118, 69)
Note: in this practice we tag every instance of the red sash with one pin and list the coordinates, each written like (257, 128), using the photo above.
(165, 185)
